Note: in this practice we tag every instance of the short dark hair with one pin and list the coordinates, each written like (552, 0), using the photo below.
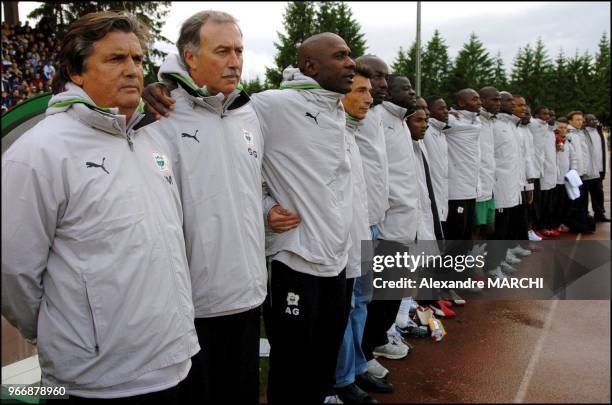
(393, 78)
(570, 115)
(539, 108)
(432, 99)
(79, 41)
(364, 70)
(562, 120)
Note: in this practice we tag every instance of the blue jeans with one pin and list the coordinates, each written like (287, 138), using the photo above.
(351, 360)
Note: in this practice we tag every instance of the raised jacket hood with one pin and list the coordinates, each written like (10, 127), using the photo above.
(293, 78)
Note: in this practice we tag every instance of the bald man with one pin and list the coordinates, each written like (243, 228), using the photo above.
(307, 170)
(463, 164)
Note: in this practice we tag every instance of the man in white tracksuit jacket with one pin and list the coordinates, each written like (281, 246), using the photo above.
(595, 186)
(463, 165)
(402, 219)
(485, 203)
(351, 360)
(508, 183)
(545, 148)
(93, 257)
(217, 150)
(437, 148)
(307, 170)
(575, 136)
(566, 160)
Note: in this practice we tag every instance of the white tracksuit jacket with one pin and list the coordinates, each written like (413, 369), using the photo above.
(575, 137)
(307, 169)
(403, 217)
(437, 148)
(545, 152)
(463, 155)
(93, 255)
(371, 141)
(508, 168)
(360, 229)
(487, 156)
(217, 150)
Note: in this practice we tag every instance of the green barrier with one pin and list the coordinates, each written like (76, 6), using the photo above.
(24, 111)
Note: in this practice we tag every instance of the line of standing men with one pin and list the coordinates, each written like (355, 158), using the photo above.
(99, 240)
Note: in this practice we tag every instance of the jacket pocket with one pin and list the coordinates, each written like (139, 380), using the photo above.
(95, 345)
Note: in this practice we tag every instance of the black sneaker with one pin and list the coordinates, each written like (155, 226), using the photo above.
(352, 394)
(602, 219)
(368, 382)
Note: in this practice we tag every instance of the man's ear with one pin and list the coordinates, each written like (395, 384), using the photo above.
(77, 79)
(190, 60)
(311, 67)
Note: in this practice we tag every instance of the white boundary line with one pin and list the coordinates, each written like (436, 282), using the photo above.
(535, 356)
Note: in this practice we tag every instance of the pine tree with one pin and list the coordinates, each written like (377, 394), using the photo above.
(601, 106)
(303, 19)
(59, 15)
(405, 63)
(473, 67)
(349, 29)
(299, 23)
(532, 74)
(562, 92)
(435, 66)
(500, 80)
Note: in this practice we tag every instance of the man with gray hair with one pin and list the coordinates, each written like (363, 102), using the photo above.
(217, 151)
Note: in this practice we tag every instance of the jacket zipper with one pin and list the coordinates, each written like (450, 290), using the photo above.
(93, 320)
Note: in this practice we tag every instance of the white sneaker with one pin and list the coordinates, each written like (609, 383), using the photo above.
(497, 273)
(393, 350)
(332, 399)
(520, 251)
(403, 321)
(507, 268)
(532, 236)
(512, 259)
(376, 369)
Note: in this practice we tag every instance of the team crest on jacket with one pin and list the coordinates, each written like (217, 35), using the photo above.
(248, 138)
(161, 161)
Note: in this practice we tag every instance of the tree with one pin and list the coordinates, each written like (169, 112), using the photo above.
(562, 92)
(473, 67)
(405, 63)
(253, 86)
(60, 14)
(532, 74)
(303, 19)
(299, 23)
(346, 26)
(601, 107)
(435, 66)
(500, 80)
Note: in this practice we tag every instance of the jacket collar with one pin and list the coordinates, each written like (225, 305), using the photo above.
(468, 115)
(77, 102)
(487, 115)
(394, 109)
(353, 123)
(439, 125)
(294, 79)
(510, 118)
(173, 70)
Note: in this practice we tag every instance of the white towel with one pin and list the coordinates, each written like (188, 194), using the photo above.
(572, 182)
